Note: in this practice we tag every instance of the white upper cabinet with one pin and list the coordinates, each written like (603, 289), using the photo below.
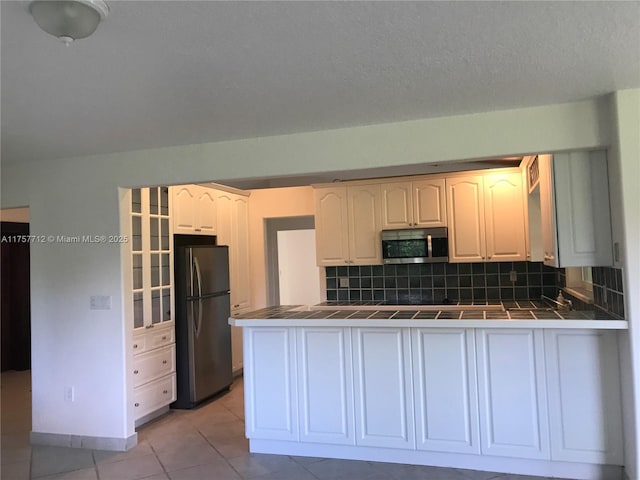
(194, 210)
(363, 204)
(465, 202)
(348, 225)
(331, 222)
(419, 203)
(505, 226)
(574, 204)
(486, 217)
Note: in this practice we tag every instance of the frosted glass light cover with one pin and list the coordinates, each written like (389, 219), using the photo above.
(66, 18)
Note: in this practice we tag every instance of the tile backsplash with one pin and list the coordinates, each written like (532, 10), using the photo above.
(438, 282)
(608, 291)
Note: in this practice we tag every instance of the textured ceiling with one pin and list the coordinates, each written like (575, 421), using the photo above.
(161, 73)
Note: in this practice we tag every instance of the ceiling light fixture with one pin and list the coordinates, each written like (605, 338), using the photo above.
(68, 20)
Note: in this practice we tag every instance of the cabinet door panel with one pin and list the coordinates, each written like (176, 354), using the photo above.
(429, 203)
(465, 211)
(505, 217)
(184, 213)
(547, 211)
(364, 224)
(154, 395)
(584, 396)
(241, 297)
(582, 209)
(270, 390)
(512, 393)
(325, 385)
(206, 214)
(332, 242)
(446, 398)
(384, 408)
(397, 208)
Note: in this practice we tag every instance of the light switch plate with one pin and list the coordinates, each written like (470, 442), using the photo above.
(100, 302)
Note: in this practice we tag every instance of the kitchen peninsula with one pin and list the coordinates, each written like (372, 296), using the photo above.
(523, 389)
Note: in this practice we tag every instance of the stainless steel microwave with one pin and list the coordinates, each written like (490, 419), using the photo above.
(417, 245)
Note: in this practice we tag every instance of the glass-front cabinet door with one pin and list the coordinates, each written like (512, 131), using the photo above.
(151, 257)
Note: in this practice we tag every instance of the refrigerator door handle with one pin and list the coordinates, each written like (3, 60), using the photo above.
(191, 272)
(195, 261)
(193, 317)
(199, 324)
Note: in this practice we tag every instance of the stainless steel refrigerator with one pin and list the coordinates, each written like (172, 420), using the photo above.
(203, 334)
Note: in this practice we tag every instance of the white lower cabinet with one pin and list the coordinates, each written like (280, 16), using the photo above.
(154, 395)
(584, 396)
(270, 387)
(512, 393)
(544, 402)
(153, 369)
(325, 385)
(445, 391)
(383, 387)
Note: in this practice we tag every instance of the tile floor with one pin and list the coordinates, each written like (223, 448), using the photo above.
(203, 444)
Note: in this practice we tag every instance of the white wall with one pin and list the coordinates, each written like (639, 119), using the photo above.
(75, 346)
(271, 203)
(298, 273)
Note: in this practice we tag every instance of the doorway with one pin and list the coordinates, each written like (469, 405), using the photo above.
(15, 307)
(292, 275)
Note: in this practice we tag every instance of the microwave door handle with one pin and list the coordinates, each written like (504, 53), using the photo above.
(429, 247)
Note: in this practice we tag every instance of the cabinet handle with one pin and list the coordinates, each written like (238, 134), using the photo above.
(136, 404)
(135, 345)
(489, 257)
(165, 391)
(164, 337)
(135, 372)
(149, 326)
(164, 362)
(198, 229)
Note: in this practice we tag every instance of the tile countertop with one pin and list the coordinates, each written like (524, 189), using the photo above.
(496, 315)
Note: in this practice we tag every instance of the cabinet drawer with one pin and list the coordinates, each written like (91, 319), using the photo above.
(154, 364)
(154, 395)
(153, 338)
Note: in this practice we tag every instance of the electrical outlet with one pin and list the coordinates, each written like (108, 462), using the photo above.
(513, 276)
(69, 394)
(343, 282)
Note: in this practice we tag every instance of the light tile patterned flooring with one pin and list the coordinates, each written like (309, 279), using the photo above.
(206, 443)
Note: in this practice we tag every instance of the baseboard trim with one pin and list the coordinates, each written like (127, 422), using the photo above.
(84, 441)
(518, 466)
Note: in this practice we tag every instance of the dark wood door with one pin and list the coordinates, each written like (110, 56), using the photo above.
(15, 309)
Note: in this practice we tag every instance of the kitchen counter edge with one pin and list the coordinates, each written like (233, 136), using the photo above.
(428, 323)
